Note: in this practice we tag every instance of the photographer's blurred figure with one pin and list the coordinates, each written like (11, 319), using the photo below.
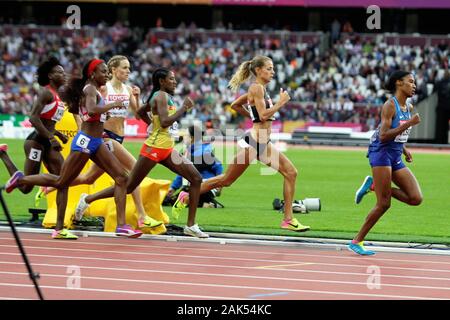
(201, 153)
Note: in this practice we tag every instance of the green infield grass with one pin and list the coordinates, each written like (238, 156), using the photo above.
(331, 175)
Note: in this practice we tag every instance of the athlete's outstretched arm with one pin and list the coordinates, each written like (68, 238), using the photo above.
(387, 113)
(44, 97)
(161, 105)
(93, 107)
(145, 114)
(135, 94)
(257, 92)
(238, 105)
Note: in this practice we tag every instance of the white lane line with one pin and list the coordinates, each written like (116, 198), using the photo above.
(364, 283)
(265, 261)
(165, 246)
(341, 293)
(123, 291)
(232, 275)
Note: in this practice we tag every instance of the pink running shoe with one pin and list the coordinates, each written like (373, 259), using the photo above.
(11, 184)
(127, 231)
(3, 147)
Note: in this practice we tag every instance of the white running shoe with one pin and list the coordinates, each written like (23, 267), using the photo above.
(195, 231)
(81, 207)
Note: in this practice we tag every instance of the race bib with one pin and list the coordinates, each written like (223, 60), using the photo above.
(403, 137)
(120, 112)
(109, 145)
(59, 112)
(174, 130)
(83, 141)
(35, 155)
(103, 117)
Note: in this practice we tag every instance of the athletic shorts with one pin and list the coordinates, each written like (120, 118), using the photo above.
(386, 158)
(155, 154)
(34, 136)
(112, 135)
(85, 143)
(247, 141)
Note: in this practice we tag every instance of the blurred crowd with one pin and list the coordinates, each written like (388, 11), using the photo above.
(343, 83)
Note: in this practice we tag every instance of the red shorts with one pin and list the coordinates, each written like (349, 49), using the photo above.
(155, 154)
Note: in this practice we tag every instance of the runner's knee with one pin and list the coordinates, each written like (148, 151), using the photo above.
(415, 200)
(121, 180)
(196, 180)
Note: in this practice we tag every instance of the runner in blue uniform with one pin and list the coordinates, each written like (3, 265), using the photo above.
(385, 157)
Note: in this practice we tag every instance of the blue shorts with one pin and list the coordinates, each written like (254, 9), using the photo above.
(386, 158)
(85, 143)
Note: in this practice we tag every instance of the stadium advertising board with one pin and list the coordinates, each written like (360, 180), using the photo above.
(340, 3)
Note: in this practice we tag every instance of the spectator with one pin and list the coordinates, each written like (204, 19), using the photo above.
(201, 154)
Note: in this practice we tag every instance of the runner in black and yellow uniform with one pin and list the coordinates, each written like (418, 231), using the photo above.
(158, 148)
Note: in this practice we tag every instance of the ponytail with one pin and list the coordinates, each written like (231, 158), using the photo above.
(74, 90)
(160, 73)
(246, 70)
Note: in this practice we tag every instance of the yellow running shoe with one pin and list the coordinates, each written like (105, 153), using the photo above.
(148, 222)
(40, 194)
(294, 225)
(63, 234)
(179, 205)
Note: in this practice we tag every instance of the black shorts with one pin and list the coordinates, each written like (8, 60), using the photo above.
(112, 135)
(34, 136)
(247, 141)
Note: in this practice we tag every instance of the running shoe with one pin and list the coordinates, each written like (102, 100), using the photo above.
(148, 222)
(3, 147)
(194, 231)
(40, 194)
(364, 189)
(81, 207)
(179, 205)
(63, 234)
(127, 231)
(11, 184)
(294, 225)
(359, 249)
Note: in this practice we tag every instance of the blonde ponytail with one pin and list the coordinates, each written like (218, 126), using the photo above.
(241, 75)
(245, 70)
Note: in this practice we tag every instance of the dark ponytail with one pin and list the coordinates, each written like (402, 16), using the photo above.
(396, 75)
(160, 73)
(74, 91)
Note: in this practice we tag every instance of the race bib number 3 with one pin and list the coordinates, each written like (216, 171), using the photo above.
(35, 155)
(83, 141)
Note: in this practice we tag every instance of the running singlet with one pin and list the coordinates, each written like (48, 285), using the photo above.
(113, 96)
(55, 109)
(399, 118)
(101, 117)
(254, 112)
(160, 137)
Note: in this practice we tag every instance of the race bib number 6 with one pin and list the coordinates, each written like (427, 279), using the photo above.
(83, 141)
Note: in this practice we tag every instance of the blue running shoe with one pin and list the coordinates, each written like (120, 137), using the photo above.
(359, 249)
(364, 189)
